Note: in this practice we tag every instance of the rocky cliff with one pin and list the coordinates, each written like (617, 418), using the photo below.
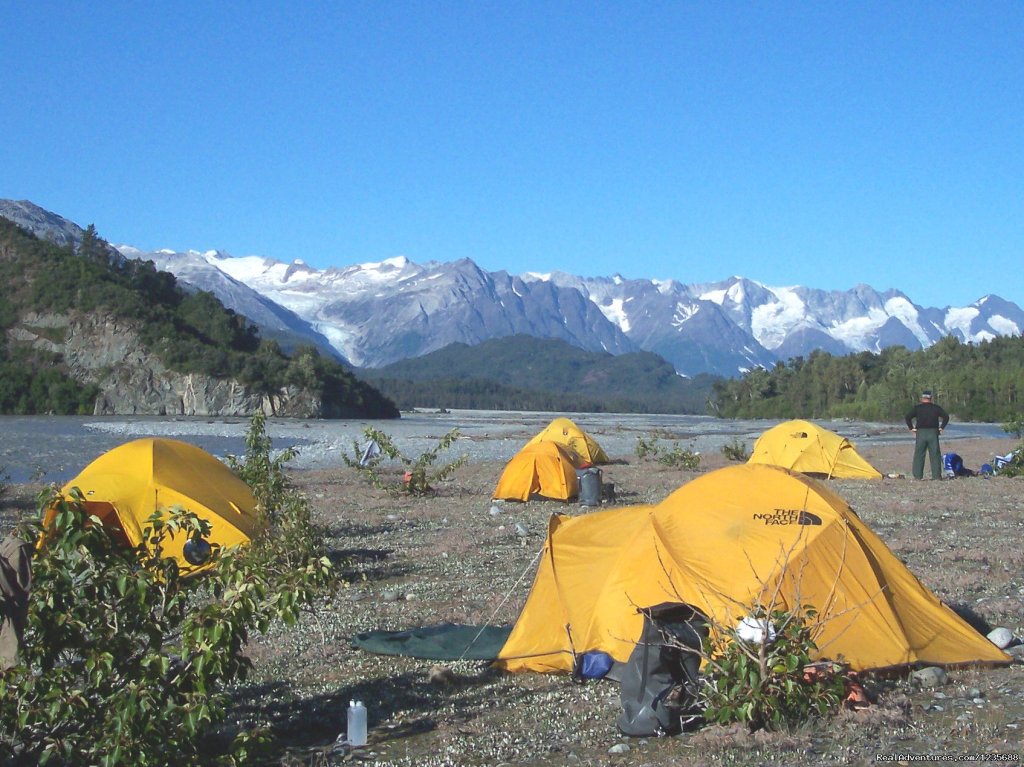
(106, 352)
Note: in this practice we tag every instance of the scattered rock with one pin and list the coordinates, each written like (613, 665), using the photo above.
(1001, 637)
(1016, 652)
(441, 676)
(521, 530)
(619, 748)
(495, 511)
(391, 596)
(932, 676)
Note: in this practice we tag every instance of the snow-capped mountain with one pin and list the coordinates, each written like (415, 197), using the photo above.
(780, 323)
(376, 313)
(275, 321)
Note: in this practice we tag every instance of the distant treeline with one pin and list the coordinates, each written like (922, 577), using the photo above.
(520, 372)
(477, 394)
(977, 382)
(190, 332)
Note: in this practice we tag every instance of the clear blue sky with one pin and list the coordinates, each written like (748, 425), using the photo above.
(823, 144)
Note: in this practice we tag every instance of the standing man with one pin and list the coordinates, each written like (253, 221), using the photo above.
(927, 420)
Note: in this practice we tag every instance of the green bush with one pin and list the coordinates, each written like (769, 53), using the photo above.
(736, 451)
(646, 446)
(126, 661)
(418, 474)
(1015, 426)
(676, 456)
(765, 684)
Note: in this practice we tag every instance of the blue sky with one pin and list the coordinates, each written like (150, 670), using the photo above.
(823, 144)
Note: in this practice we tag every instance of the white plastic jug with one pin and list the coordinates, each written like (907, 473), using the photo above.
(356, 723)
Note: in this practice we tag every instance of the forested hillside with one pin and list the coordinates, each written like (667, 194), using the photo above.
(524, 373)
(976, 382)
(188, 332)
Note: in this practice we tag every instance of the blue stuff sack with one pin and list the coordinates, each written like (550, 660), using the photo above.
(594, 664)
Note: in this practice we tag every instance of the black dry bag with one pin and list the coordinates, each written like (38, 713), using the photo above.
(659, 682)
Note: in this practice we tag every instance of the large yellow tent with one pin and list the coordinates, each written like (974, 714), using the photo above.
(808, 448)
(731, 539)
(540, 471)
(566, 433)
(123, 487)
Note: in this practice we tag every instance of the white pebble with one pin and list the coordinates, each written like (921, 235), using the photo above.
(1000, 637)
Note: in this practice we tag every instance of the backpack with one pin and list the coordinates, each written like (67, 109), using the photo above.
(658, 685)
(952, 465)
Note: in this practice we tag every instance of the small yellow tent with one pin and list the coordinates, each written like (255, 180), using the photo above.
(123, 487)
(805, 447)
(541, 471)
(722, 543)
(567, 434)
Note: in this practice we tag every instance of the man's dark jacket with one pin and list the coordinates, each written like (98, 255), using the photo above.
(927, 415)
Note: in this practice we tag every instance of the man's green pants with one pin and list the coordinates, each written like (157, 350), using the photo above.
(927, 442)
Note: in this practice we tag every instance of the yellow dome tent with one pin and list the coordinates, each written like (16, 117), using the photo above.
(124, 486)
(567, 434)
(729, 540)
(540, 471)
(810, 449)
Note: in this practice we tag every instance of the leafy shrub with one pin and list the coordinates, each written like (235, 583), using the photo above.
(736, 451)
(128, 662)
(418, 473)
(646, 446)
(676, 456)
(767, 684)
(1015, 426)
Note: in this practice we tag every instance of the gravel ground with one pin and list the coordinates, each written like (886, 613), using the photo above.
(413, 562)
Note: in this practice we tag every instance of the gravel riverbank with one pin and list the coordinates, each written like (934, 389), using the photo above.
(450, 557)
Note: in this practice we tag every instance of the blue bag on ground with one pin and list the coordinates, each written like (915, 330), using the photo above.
(594, 665)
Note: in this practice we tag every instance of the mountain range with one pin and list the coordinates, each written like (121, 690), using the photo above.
(375, 314)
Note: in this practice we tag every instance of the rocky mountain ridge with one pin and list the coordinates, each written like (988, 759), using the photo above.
(105, 351)
(378, 313)
(374, 314)
(84, 329)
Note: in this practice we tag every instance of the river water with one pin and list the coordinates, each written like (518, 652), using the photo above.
(56, 448)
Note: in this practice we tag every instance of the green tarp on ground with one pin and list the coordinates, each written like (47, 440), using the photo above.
(445, 641)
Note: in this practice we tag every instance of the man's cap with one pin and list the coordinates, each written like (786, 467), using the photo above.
(926, 394)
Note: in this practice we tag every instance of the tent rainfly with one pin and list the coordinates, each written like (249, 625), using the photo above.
(543, 471)
(566, 433)
(810, 449)
(723, 543)
(124, 486)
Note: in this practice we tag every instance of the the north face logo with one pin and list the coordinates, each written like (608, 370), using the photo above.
(788, 517)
